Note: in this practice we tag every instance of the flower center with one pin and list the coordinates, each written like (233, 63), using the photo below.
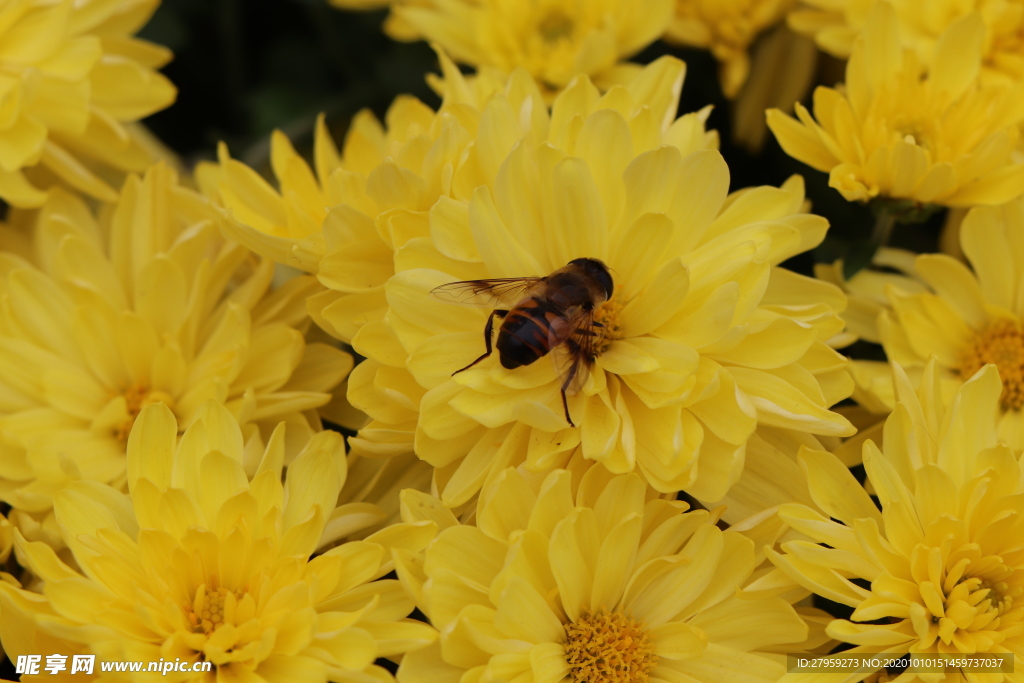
(977, 606)
(1000, 343)
(138, 397)
(914, 133)
(608, 647)
(555, 26)
(609, 329)
(206, 613)
(980, 601)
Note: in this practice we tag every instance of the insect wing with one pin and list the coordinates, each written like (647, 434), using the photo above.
(499, 292)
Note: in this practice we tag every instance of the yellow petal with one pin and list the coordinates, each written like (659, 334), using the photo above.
(548, 662)
(151, 446)
(686, 576)
(779, 403)
(722, 664)
(834, 488)
(313, 482)
(800, 142)
(525, 615)
(663, 298)
(678, 640)
(964, 38)
(574, 548)
(502, 253)
(615, 561)
(579, 225)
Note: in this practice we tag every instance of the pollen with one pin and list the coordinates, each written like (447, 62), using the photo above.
(1002, 344)
(207, 612)
(136, 398)
(608, 327)
(608, 647)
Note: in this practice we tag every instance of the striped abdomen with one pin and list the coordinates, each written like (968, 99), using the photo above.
(529, 331)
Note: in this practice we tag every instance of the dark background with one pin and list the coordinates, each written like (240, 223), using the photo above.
(246, 67)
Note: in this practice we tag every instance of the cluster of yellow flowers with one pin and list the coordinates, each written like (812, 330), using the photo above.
(644, 478)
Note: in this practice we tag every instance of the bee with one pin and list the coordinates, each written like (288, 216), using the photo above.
(539, 314)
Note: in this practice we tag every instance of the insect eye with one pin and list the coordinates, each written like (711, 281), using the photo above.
(605, 278)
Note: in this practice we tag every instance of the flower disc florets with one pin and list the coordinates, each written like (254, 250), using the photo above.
(939, 569)
(607, 316)
(943, 138)
(608, 647)
(588, 579)
(1000, 343)
(209, 558)
(101, 317)
(965, 316)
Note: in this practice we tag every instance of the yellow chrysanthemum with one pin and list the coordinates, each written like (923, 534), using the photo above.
(943, 139)
(835, 24)
(600, 585)
(703, 338)
(964, 319)
(345, 221)
(726, 28)
(147, 304)
(74, 81)
(553, 40)
(208, 559)
(942, 560)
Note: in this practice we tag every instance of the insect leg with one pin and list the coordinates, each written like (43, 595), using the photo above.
(565, 385)
(488, 333)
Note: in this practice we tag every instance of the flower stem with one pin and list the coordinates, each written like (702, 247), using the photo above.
(885, 220)
(862, 252)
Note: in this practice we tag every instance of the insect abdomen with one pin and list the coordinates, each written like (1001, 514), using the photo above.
(525, 334)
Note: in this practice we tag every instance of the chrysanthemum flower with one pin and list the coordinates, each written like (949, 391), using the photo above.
(74, 82)
(208, 559)
(835, 25)
(703, 338)
(942, 560)
(147, 304)
(553, 40)
(345, 220)
(962, 318)
(943, 139)
(597, 585)
(726, 28)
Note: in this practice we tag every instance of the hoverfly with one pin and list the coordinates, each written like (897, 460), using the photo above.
(539, 314)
